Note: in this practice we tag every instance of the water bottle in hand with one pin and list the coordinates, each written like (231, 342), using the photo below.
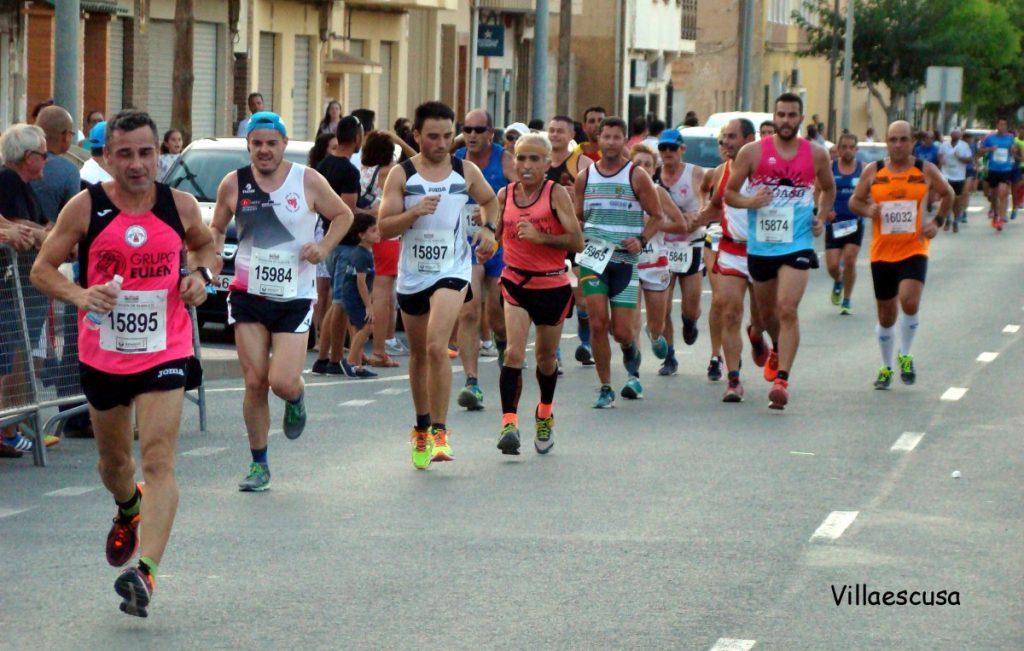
(92, 320)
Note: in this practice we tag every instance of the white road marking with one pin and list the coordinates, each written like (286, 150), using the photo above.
(356, 403)
(954, 393)
(907, 442)
(202, 452)
(834, 525)
(732, 644)
(316, 385)
(71, 491)
(392, 391)
(987, 357)
(6, 513)
(802, 454)
(976, 209)
(1010, 329)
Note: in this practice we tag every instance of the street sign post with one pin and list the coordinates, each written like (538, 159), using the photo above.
(944, 84)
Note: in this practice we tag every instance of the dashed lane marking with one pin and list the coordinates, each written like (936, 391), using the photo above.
(202, 452)
(6, 513)
(733, 644)
(907, 442)
(1011, 329)
(392, 391)
(834, 525)
(356, 403)
(987, 357)
(953, 394)
(71, 491)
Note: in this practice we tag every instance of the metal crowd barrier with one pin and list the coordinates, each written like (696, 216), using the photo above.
(39, 355)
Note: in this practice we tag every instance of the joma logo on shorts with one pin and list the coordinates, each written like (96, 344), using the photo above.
(164, 372)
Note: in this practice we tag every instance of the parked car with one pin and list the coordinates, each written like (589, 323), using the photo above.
(701, 147)
(869, 152)
(199, 171)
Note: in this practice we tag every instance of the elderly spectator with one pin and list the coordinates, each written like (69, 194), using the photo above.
(95, 169)
(24, 152)
(60, 179)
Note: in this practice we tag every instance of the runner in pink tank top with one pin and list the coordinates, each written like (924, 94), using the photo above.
(150, 325)
(141, 356)
(537, 226)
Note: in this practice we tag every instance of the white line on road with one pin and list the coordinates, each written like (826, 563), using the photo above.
(976, 209)
(907, 442)
(316, 385)
(732, 644)
(6, 513)
(987, 357)
(802, 454)
(834, 525)
(356, 403)
(954, 393)
(1012, 328)
(202, 452)
(71, 491)
(392, 391)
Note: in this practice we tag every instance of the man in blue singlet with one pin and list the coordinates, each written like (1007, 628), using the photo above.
(498, 168)
(999, 149)
(845, 230)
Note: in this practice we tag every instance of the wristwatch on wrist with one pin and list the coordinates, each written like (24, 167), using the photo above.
(491, 228)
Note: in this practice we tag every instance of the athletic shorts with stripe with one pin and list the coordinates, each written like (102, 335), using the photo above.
(619, 281)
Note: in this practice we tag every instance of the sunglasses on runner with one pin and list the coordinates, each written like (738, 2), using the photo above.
(475, 129)
(667, 147)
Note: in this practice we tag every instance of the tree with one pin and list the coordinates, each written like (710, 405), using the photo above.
(181, 104)
(894, 42)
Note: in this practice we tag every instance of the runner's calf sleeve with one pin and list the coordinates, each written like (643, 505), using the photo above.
(510, 383)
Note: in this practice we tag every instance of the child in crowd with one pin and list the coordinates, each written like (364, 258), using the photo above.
(355, 291)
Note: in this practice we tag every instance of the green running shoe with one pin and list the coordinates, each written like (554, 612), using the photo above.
(422, 448)
(659, 345)
(907, 373)
(606, 398)
(508, 443)
(471, 397)
(258, 479)
(294, 418)
(837, 292)
(544, 439)
(632, 389)
(884, 380)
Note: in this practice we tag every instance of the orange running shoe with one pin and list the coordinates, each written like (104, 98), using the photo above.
(136, 588)
(771, 367)
(778, 397)
(442, 451)
(758, 347)
(123, 539)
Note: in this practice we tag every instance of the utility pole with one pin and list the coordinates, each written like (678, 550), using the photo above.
(474, 28)
(540, 60)
(181, 103)
(832, 74)
(67, 41)
(564, 57)
(848, 63)
(746, 57)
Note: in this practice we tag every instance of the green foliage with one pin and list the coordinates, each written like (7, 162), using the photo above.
(894, 42)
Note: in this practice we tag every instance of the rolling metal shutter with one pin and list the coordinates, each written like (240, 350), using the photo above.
(204, 88)
(115, 80)
(161, 73)
(267, 80)
(300, 88)
(354, 81)
(384, 111)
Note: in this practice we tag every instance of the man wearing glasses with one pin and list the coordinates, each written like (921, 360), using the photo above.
(498, 167)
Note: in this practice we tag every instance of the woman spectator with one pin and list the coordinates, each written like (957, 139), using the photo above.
(332, 115)
(170, 149)
(325, 145)
(377, 160)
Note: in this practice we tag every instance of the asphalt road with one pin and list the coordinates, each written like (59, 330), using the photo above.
(675, 522)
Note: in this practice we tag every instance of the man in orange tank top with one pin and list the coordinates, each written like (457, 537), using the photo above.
(143, 216)
(537, 225)
(891, 193)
